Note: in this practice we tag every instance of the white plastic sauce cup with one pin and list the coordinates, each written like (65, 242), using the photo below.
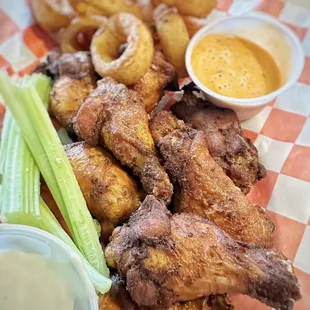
(35, 241)
(270, 34)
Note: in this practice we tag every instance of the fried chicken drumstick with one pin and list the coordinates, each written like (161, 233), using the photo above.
(151, 86)
(75, 79)
(202, 187)
(225, 139)
(118, 298)
(111, 194)
(171, 258)
(115, 116)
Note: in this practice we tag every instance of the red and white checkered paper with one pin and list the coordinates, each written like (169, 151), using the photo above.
(281, 132)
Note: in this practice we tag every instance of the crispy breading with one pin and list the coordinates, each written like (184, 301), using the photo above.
(66, 97)
(225, 139)
(115, 116)
(111, 194)
(118, 298)
(75, 79)
(171, 258)
(201, 185)
(151, 86)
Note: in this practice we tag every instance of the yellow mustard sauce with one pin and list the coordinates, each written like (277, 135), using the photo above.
(235, 67)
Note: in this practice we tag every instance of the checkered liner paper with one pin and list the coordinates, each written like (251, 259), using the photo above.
(281, 132)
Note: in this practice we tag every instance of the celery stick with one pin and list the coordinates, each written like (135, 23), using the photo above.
(21, 176)
(55, 167)
(41, 83)
(43, 86)
(8, 91)
(49, 223)
(18, 201)
(7, 124)
(11, 200)
(98, 227)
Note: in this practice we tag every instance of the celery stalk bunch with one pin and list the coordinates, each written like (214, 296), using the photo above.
(30, 146)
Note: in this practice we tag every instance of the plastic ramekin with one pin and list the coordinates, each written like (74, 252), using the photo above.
(270, 34)
(35, 241)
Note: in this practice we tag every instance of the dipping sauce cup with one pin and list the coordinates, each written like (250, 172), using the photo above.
(45, 250)
(266, 32)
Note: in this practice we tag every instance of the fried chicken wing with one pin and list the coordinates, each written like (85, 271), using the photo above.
(66, 98)
(50, 66)
(151, 86)
(116, 116)
(118, 298)
(171, 258)
(225, 139)
(75, 79)
(111, 194)
(202, 187)
(77, 65)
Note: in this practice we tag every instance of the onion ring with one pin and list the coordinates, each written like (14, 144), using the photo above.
(108, 7)
(196, 8)
(167, 2)
(52, 15)
(84, 9)
(69, 38)
(173, 37)
(135, 61)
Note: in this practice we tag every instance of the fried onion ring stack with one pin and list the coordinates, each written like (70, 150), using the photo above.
(123, 34)
(134, 62)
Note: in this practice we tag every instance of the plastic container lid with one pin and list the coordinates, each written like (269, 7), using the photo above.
(35, 241)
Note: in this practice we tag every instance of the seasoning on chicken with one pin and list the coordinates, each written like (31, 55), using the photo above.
(118, 298)
(111, 194)
(75, 79)
(151, 86)
(115, 116)
(171, 258)
(225, 139)
(202, 187)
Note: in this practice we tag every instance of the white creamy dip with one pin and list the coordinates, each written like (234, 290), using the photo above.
(32, 282)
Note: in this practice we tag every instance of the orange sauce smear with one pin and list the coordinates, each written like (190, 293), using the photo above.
(235, 67)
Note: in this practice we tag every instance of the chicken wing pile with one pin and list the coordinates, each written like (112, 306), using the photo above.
(171, 258)
(111, 114)
(116, 116)
(176, 180)
(202, 187)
